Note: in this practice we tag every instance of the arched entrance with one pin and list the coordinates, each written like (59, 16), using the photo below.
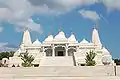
(48, 52)
(71, 51)
(60, 51)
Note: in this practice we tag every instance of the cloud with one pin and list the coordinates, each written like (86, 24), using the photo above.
(60, 6)
(1, 29)
(19, 11)
(7, 47)
(30, 24)
(111, 4)
(92, 15)
(23, 9)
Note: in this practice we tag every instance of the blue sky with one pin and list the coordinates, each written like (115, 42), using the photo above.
(44, 17)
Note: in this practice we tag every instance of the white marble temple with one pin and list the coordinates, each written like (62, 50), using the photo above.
(62, 51)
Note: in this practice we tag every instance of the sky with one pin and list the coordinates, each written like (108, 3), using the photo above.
(44, 17)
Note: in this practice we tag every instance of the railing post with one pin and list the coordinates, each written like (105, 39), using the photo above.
(115, 70)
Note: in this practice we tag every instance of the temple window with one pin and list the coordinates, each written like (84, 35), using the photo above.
(48, 52)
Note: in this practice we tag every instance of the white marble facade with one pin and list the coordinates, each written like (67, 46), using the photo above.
(61, 51)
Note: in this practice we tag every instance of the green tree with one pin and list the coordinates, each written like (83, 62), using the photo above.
(11, 53)
(90, 58)
(117, 61)
(27, 60)
(6, 54)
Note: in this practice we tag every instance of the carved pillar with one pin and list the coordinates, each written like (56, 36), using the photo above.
(66, 50)
(44, 53)
(53, 51)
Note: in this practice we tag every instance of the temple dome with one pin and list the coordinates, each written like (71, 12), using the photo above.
(60, 36)
(37, 43)
(72, 38)
(84, 41)
(49, 38)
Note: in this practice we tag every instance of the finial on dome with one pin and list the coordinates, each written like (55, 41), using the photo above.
(26, 29)
(60, 29)
(50, 33)
(72, 33)
(96, 25)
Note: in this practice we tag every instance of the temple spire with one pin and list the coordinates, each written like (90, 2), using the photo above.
(26, 38)
(95, 35)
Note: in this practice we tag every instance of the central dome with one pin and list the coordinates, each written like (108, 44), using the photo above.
(60, 36)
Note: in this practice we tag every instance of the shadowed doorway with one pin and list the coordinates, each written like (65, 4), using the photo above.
(59, 51)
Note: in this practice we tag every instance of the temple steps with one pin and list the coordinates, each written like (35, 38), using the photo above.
(57, 61)
(59, 73)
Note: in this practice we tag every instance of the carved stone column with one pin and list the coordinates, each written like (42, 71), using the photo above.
(53, 50)
(66, 50)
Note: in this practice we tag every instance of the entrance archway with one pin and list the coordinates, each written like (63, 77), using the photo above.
(60, 51)
(71, 51)
(48, 52)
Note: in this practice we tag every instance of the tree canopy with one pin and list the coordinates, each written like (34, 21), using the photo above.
(27, 60)
(6, 54)
(90, 58)
(117, 61)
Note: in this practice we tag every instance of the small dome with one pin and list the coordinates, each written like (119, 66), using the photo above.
(49, 38)
(72, 38)
(37, 43)
(60, 36)
(84, 41)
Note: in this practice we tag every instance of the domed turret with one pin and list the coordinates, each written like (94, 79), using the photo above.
(49, 38)
(60, 36)
(84, 41)
(37, 43)
(72, 38)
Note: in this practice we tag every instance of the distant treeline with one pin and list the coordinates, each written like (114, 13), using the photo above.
(117, 61)
(6, 54)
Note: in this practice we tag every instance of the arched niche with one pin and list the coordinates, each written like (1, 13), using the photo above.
(71, 51)
(48, 52)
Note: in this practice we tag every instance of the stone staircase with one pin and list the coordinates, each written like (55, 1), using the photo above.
(59, 73)
(57, 61)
